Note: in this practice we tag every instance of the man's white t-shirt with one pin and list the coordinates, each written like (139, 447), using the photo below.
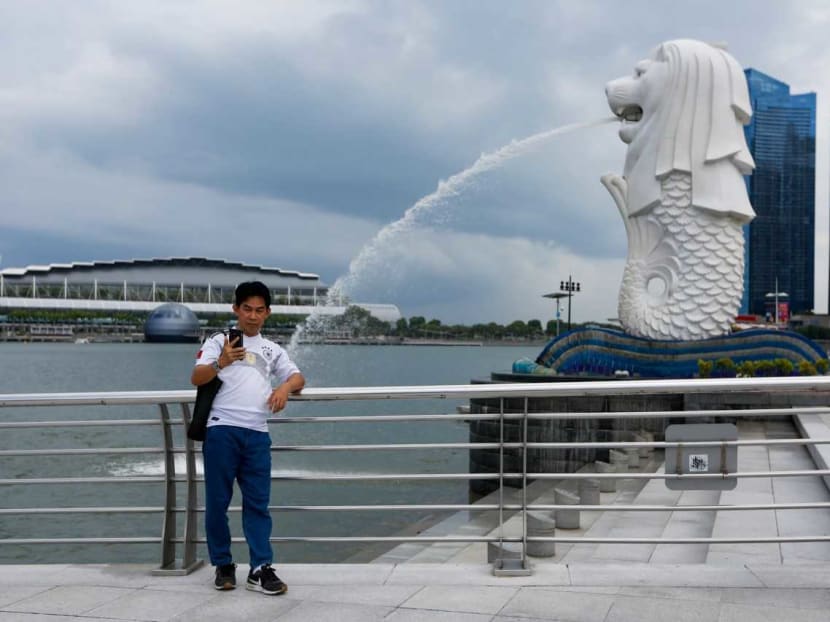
(242, 400)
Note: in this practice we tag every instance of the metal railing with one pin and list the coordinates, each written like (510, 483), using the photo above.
(178, 542)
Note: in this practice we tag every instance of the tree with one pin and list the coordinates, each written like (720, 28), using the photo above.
(517, 329)
(550, 328)
(534, 327)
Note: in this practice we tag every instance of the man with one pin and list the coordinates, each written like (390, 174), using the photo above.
(257, 377)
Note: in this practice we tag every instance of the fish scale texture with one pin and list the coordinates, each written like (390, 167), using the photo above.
(688, 281)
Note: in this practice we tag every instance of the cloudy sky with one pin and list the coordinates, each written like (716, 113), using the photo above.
(291, 134)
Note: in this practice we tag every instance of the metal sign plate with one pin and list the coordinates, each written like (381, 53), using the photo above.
(698, 459)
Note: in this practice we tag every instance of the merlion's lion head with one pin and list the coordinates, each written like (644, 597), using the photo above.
(684, 109)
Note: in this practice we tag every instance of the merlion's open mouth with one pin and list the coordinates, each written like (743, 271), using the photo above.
(631, 113)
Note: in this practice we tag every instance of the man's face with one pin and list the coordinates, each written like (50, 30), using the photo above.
(251, 315)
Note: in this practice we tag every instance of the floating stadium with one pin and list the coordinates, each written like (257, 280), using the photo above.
(204, 286)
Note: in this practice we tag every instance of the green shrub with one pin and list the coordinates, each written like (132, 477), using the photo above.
(822, 366)
(765, 368)
(746, 369)
(806, 368)
(784, 367)
(704, 368)
(725, 368)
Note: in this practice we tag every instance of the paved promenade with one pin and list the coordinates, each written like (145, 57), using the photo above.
(588, 592)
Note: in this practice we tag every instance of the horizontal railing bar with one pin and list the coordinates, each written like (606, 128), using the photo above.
(582, 475)
(77, 424)
(431, 476)
(489, 507)
(85, 510)
(412, 446)
(543, 415)
(563, 539)
(544, 445)
(436, 507)
(85, 480)
(79, 452)
(736, 540)
(470, 539)
(19, 541)
(811, 384)
(638, 475)
(444, 417)
(818, 505)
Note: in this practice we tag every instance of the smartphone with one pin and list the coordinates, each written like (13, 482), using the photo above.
(233, 333)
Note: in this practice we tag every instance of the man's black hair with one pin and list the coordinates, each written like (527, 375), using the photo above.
(249, 289)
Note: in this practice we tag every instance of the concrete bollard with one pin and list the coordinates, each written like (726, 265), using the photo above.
(649, 436)
(644, 452)
(606, 484)
(542, 525)
(633, 456)
(566, 519)
(589, 491)
(619, 460)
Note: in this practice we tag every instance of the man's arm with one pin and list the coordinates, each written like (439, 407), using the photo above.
(202, 374)
(279, 396)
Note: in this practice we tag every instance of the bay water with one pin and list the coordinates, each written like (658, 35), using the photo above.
(66, 367)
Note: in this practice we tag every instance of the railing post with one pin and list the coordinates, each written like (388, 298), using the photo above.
(189, 562)
(191, 518)
(168, 530)
(525, 562)
(505, 564)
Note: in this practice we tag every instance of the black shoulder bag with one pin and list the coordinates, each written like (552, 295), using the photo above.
(201, 409)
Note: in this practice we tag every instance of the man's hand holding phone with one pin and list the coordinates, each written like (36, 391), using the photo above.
(232, 351)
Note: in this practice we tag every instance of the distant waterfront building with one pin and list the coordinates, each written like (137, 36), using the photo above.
(203, 285)
(781, 240)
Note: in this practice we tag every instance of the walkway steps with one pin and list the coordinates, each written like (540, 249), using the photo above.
(769, 523)
(676, 524)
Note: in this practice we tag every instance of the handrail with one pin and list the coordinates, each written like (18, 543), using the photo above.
(810, 384)
(187, 538)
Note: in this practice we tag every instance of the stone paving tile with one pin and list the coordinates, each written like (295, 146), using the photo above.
(240, 604)
(423, 615)
(745, 613)
(46, 617)
(682, 575)
(463, 574)
(334, 574)
(153, 605)
(674, 593)
(633, 609)
(333, 612)
(789, 576)
(13, 593)
(557, 605)
(68, 600)
(385, 595)
(469, 599)
(778, 597)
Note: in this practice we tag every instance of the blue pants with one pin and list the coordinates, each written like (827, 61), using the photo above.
(232, 453)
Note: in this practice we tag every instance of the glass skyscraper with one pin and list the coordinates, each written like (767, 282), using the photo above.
(781, 240)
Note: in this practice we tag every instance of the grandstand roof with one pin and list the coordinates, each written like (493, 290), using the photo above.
(132, 265)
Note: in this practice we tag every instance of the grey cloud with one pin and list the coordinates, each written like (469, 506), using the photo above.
(330, 119)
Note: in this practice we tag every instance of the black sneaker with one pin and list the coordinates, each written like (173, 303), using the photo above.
(266, 581)
(225, 577)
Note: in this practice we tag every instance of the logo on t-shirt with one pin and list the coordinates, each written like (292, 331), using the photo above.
(267, 352)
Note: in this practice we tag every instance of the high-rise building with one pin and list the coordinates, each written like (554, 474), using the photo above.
(781, 240)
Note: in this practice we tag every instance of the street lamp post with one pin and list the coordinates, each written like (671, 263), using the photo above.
(571, 287)
(557, 296)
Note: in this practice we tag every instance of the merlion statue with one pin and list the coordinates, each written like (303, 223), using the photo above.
(682, 195)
